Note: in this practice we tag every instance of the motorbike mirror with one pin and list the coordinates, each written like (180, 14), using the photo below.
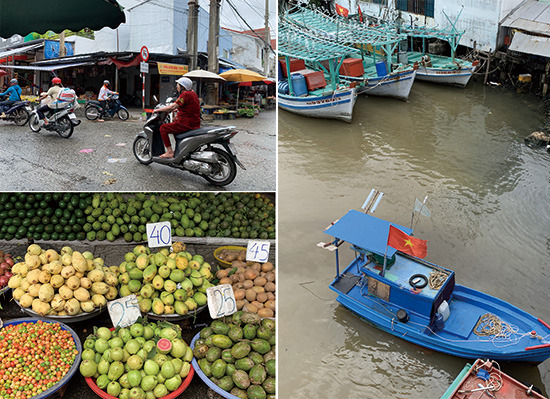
(155, 98)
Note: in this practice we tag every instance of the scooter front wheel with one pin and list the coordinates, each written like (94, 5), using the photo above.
(142, 150)
(34, 123)
(122, 114)
(225, 169)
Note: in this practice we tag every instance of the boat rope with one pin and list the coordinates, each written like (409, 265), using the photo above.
(436, 279)
(489, 324)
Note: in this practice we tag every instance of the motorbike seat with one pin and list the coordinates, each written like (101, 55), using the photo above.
(194, 132)
(93, 102)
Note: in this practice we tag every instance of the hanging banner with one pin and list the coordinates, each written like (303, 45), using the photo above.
(172, 69)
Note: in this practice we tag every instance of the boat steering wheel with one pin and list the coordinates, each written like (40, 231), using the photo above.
(418, 281)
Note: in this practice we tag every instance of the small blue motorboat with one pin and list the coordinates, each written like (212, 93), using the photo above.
(419, 301)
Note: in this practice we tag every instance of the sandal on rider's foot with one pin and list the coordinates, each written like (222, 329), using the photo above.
(166, 155)
(101, 120)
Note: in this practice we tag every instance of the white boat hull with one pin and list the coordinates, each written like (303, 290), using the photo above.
(457, 77)
(397, 85)
(334, 106)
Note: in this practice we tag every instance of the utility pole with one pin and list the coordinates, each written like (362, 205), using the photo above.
(267, 39)
(193, 34)
(213, 50)
(62, 49)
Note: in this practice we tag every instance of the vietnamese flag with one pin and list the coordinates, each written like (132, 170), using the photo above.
(360, 13)
(407, 244)
(341, 10)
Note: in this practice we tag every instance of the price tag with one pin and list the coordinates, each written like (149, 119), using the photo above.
(159, 234)
(257, 251)
(221, 301)
(124, 311)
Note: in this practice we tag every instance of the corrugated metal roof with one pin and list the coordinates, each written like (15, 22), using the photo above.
(530, 44)
(531, 15)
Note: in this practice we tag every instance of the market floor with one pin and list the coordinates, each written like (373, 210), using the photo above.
(113, 254)
(99, 157)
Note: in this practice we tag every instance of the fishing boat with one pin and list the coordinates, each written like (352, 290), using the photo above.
(305, 92)
(419, 301)
(485, 379)
(432, 67)
(369, 60)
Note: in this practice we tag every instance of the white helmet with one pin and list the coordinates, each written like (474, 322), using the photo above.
(185, 82)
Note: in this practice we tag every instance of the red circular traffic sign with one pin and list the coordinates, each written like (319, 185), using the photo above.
(144, 53)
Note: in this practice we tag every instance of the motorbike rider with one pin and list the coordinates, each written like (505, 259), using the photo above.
(14, 92)
(187, 118)
(50, 96)
(103, 98)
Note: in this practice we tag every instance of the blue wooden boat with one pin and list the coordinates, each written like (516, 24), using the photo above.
(440, 315)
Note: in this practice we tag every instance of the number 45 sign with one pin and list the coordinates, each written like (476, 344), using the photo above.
(257, 251)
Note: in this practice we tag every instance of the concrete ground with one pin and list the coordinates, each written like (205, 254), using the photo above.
(99, 157)
(113, 254)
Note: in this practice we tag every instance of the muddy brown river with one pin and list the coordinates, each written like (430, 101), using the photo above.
(489, 198)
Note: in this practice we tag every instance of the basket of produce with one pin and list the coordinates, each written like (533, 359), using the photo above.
(227, 254)
(159, 361)
(236, 358)
(253, 286)
(55, 344)
(6, 263)
(69, 286)
(169, 285)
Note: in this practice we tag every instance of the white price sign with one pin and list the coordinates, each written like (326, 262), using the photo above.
(257, 251)
(144, 67)
(159, 234)
(124, 311)
(221, 301)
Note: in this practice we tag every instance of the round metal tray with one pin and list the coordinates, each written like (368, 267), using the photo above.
(175, 317)
(203, 376)
(65, 319)
(4, 290)
(74, 367)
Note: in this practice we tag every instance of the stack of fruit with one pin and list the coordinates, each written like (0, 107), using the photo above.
(6, 263)
(62, 284)
(238, 355)
(165, 283)
(138, 362)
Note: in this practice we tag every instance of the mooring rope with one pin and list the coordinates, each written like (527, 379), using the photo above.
(436, 279)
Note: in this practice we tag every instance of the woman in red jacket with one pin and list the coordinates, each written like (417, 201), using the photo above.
(187, 118)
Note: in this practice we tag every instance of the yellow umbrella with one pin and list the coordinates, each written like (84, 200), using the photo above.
(241, 75)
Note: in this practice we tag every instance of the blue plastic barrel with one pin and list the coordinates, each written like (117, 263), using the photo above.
(280, 75)
(299, 85)
(282, 87)
(381, 69)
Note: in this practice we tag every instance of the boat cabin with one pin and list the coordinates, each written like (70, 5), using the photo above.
(405, 283)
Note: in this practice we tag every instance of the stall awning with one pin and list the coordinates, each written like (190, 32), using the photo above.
(530, 44)
(48, 68)
(364, 231)
(20, 50)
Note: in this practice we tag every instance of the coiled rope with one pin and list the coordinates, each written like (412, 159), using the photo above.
(436, 279)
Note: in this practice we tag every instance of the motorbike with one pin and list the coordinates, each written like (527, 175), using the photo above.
(17, 112)
(197, 151)
(93, 109)
(60, 116)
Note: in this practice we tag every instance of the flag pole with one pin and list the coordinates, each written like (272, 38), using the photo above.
(385, 255)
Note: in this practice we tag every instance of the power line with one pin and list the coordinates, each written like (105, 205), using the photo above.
(249, 27)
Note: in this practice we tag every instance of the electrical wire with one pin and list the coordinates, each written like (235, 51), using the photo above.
(249, 27)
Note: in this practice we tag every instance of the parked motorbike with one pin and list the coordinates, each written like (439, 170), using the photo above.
(93, 109)
(197, 151)
(17, 112)
(61, 117)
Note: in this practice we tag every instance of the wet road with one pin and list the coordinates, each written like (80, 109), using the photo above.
(44, 161)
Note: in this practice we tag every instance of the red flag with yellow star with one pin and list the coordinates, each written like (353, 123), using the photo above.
(342, 10)
(407, 244)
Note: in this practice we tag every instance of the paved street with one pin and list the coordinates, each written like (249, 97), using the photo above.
(44, 161)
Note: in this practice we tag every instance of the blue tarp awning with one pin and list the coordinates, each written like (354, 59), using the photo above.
(365, 231)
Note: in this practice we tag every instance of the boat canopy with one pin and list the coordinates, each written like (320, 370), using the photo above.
(365, 231)
(342, 29)
(295, 43)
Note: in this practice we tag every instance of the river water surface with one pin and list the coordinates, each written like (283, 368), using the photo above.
(489, 196)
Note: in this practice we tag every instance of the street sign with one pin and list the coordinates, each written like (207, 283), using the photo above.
(144, 53)
(144, 67)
